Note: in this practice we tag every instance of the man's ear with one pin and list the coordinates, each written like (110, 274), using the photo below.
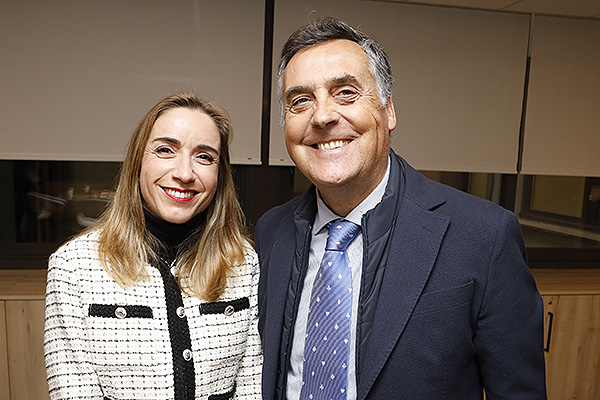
(391, 114)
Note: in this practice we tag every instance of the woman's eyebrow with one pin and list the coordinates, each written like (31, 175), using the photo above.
(207, 147)
(166, 139)
(202, 146)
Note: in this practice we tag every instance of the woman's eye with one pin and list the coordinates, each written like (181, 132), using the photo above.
(205, 159)
(164, 151)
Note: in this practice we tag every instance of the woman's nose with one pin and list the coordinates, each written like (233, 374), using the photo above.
(183, 169)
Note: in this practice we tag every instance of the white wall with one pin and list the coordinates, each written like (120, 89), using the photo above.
(78, 75)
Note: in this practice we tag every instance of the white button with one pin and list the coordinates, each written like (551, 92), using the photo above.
(180, 312)
(120, 312)
(229, 310)
(187, 354)
(174, 271)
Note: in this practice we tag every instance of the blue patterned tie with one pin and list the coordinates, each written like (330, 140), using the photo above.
(327, 342)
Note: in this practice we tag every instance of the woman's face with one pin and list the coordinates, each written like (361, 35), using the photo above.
(180, 169)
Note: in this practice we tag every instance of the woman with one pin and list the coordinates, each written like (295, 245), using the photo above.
(158, 299)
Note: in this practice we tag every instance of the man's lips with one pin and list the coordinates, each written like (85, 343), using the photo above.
(334, 144)
(180, 195)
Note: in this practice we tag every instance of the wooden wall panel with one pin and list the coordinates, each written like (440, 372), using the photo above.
(25, 334)
(573, 355)
(4, 383)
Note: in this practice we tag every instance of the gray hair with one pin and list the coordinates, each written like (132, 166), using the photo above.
(327, 29)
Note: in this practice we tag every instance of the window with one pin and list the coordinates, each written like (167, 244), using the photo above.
(50, 201)
(560, 216)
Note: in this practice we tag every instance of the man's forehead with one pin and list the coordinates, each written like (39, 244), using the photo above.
(332, 62)
(343, 46)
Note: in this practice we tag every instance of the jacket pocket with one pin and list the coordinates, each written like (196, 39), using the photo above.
(123, 338)
(119, 311)
(225, 307)
(223, 396)
(225, 327)
(445, 299)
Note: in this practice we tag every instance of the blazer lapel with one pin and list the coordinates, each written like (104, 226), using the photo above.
(416, 240)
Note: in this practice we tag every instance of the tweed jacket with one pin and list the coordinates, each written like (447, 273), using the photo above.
(104, 342)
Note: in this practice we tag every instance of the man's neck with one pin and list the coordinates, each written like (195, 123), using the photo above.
(343, 199)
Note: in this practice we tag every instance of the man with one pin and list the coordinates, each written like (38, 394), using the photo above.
(442, 304)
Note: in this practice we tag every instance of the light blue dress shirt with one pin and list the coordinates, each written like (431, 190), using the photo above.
(317, 249)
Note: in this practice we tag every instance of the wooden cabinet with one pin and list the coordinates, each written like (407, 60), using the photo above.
(571, 332)
(572, 340)
(4, 383)
(22, 368)
(25, 339)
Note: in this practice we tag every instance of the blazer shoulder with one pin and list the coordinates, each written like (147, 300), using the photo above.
(80, 246)
(276, 215)
(447, 199)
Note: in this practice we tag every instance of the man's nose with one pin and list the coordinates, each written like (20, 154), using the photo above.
(183, 169)
(325, 113)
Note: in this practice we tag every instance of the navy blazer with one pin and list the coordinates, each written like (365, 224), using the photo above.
(457, 309)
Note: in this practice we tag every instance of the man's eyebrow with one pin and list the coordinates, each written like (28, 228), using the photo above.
(346, 79)
(291, 92)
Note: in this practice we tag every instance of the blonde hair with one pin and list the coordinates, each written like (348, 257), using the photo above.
(126, 247)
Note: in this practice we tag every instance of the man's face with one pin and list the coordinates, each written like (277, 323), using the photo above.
(336, 131)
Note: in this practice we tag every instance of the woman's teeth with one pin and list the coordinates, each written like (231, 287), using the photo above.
(178, 194)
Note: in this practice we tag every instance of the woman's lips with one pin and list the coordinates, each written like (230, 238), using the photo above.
(180, 195)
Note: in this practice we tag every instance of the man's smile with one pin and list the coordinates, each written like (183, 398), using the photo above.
(331, 145)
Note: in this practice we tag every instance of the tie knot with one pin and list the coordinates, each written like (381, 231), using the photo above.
(341, 233)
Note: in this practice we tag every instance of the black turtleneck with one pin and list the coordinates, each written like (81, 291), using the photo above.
(172, 236)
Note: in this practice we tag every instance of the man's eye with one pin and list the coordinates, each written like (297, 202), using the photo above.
(347, 95)
(299, 101)
(299, 104)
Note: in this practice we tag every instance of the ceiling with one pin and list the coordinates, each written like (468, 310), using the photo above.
(565, 8)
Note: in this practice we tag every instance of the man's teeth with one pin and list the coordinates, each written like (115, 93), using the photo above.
(332, 145)
(178, 194)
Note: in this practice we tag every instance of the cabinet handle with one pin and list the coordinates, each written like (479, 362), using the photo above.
(551, 315)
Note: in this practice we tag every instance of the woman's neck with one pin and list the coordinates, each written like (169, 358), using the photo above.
(171, 235)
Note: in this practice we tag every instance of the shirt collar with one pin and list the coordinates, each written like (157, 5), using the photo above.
(325, 215)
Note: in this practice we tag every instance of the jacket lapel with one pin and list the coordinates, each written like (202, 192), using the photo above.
(416, 241)
(279, 272)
